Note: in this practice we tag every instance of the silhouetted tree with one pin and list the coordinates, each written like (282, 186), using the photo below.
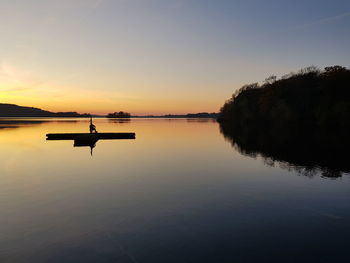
(335, 69)
(120, 114)
(270, 80)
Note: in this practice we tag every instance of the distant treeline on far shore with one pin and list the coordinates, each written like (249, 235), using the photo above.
(12, 110)
(188, 115)
(122, 114)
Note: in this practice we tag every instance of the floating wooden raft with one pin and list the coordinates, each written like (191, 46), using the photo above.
(90, 136)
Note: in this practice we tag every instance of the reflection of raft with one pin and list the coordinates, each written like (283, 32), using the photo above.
(90, 136)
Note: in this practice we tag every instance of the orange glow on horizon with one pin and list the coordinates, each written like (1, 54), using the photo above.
(24, 88)
(104, 106)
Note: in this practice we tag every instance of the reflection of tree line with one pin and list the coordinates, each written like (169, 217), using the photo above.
(201, 120)
(301, 121)
(119, 120)
(194, 120)
(12, 124)
(16, 123)
(308, 154)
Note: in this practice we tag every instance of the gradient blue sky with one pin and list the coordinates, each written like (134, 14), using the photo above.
(159, 56)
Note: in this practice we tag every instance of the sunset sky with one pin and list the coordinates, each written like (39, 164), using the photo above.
(159, 56)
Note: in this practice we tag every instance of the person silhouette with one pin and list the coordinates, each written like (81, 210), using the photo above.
(92, 127)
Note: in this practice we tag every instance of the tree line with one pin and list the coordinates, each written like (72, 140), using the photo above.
(120, 114)
(307, 100)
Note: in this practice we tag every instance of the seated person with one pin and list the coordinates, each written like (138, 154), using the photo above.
(92, 127)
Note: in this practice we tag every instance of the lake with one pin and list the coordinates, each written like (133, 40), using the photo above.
(179, 192)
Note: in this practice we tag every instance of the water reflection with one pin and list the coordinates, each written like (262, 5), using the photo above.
(308, 155)
(16, 123)
(119, 120)
(176, 194)
(12, 123)
(201, 120)
(86, 143)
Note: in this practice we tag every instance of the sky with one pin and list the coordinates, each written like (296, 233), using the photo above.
(159, 56)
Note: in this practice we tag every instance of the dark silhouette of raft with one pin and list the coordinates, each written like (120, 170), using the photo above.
(90, 136)
(89, 139)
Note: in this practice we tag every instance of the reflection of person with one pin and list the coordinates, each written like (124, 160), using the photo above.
(91, 148)
(92, 127)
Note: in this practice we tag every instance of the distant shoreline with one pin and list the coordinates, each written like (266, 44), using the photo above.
(104, 117)
(16, 111)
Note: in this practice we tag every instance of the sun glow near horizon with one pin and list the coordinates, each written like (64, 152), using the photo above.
(100, 102)
(25, 89)
(158, 57)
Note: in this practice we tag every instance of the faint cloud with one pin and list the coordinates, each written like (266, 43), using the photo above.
(323, 21)
(61, 9)
(14, 89)
(16, 78)
(96, 4)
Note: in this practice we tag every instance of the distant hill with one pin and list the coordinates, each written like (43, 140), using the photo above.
(12, 110)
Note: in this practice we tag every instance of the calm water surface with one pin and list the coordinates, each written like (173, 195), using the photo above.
(178, 193)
